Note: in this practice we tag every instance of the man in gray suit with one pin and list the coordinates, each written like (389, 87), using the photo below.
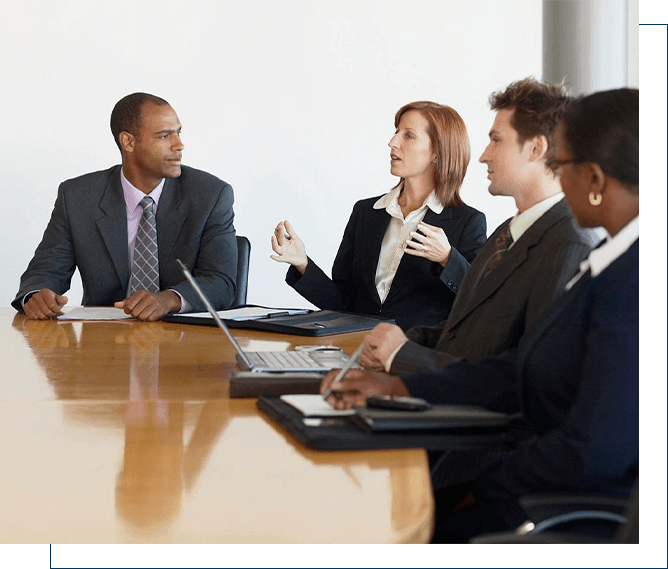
(524, 264)
(100, 220)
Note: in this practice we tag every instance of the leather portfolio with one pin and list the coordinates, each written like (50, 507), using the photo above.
(317, 323)
(344, 433)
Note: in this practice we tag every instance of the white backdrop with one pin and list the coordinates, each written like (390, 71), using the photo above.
(292, 103)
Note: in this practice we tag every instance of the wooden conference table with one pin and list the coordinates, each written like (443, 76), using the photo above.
(123, 432)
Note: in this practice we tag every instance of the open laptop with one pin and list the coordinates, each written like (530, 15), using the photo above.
(317, 360)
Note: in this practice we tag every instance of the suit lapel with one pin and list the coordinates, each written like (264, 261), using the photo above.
(169, 219)
(475, 292)
(113, 225)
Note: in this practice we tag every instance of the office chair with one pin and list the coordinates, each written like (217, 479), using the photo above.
(560, 518)
(243, 263)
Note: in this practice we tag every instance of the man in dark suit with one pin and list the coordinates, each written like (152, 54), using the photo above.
(104, 225)
(524, 264)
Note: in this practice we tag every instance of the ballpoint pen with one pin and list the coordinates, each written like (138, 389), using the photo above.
(344, 370)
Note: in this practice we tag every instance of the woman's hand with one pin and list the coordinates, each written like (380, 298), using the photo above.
(289, 248)
(431, 243)
(358, 384)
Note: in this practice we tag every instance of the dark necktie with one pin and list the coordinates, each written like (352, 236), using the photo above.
(145, 263)
(503, 241)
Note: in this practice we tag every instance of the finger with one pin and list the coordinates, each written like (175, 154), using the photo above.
(275, 245)
(290, 230)
(419, 237)
(327, 381)
(40, 306)
(342, 402)
(426, 228)
(51, 304)
(279, 234)
(414, 246)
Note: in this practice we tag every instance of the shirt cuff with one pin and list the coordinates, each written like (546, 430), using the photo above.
(185, 305)
(27, 297)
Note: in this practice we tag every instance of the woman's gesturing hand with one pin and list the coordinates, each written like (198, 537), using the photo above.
(289, 248)
(429, 242)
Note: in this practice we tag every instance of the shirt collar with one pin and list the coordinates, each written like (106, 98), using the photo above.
(390, 202)
(522, 221)
(602, 257)
(133, 196)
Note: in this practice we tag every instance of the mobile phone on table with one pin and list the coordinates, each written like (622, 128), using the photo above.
(397, 403)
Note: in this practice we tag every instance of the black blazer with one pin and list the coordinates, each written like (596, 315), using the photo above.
(422, 291)
(88, 230)
(490, 316)
(575, 378)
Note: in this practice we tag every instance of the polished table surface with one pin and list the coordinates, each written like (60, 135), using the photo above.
(123, 431)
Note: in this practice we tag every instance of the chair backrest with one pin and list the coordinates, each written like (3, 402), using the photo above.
(243, 263)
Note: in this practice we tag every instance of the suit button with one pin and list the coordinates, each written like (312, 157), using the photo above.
(450, 282)
(454, 287)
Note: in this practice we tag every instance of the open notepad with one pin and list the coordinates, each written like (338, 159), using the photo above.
(314, 406)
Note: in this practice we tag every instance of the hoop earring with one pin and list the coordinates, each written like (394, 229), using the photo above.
(595, 199)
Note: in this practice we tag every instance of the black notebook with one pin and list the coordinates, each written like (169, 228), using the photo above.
(343, 432)
(437, 417)
(317, 323)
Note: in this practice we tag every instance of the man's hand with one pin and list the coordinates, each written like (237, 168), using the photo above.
(150, 306)
(379, 345)
(358, 384)
(44, 304)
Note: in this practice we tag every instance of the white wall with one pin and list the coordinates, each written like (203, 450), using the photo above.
(290, 102)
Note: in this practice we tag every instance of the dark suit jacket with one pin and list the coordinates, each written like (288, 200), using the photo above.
(575, 378)
(491, 315)
(88, 229)
(422, 291)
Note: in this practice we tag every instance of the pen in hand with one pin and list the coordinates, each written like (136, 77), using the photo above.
(344, 370)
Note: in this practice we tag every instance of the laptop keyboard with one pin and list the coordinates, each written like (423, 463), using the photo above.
(282, 359)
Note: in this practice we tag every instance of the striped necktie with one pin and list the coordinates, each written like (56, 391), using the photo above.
(145, 263)
(503, 241)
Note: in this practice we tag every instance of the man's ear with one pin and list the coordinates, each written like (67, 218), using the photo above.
(127, 141)
(538, 147)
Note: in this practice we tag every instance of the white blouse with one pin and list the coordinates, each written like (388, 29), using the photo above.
(397, 234)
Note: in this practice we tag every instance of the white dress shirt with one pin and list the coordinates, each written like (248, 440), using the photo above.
(602, 257)
(523, 221)
(396, 235)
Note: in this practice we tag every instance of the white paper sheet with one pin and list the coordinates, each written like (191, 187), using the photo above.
(314, 406)
(95, 313)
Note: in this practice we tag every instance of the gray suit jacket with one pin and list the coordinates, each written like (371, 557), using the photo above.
(88, 230)
(490, 315)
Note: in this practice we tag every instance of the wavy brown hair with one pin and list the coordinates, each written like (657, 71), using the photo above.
(450, 141)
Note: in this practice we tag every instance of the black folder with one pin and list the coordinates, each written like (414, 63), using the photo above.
(344, 433)
(317, 323)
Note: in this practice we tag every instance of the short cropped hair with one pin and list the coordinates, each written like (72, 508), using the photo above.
(126, 115)
(604, 128)
(450, 141)
(538, 109)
